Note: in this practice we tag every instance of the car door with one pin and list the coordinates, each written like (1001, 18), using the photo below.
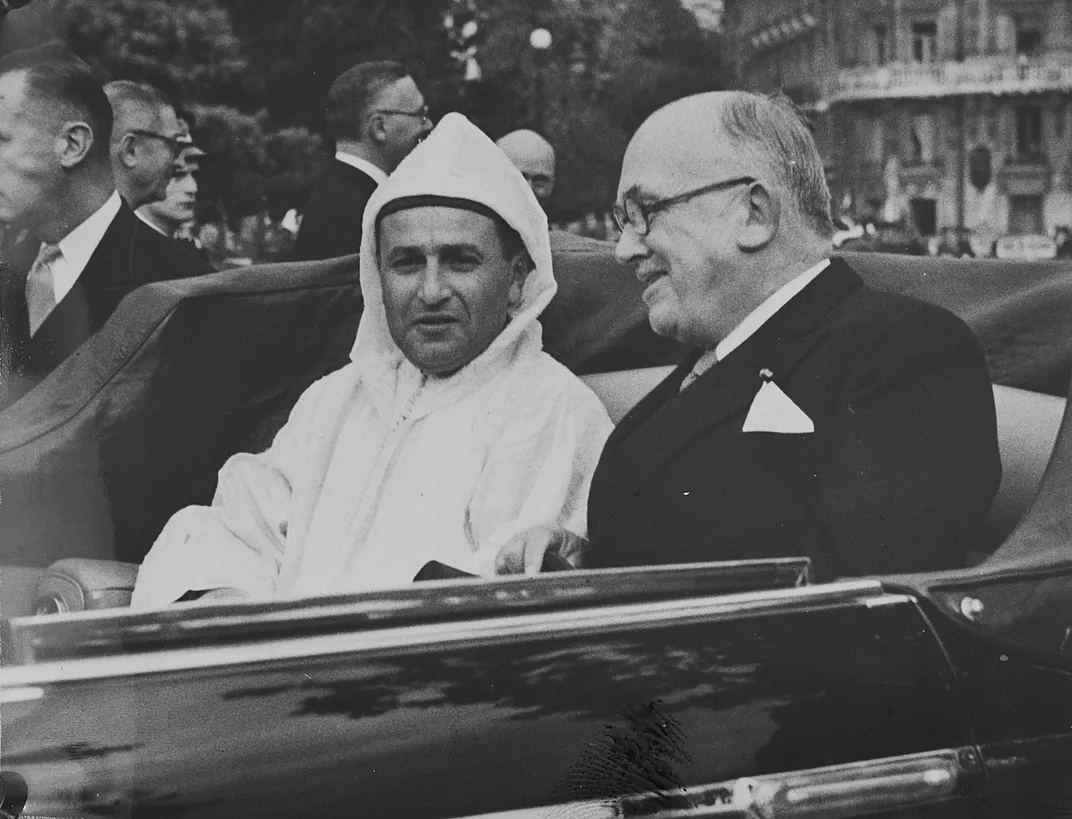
(671, 691)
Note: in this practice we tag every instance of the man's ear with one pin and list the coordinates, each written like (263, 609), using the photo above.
(762, 219)
(74, 143)
(376, 129)
(128, 150)
(520, 267)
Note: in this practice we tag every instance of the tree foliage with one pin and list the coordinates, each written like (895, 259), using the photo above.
(260, 72)
(186, 48)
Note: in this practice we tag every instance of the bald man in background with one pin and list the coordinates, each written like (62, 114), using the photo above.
(535, 158)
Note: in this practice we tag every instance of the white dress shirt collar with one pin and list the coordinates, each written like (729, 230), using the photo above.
(363, 165)
(775, 302)
(78, 246)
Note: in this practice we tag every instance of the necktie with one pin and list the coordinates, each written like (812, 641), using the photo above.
(40, 289)
(702, 365)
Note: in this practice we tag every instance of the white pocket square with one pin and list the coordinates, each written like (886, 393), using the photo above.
(774, 411)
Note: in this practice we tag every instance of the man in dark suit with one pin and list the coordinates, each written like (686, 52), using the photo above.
(87, 248)
(816, 417)
(376, 114)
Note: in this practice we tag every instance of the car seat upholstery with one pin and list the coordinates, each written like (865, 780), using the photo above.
(1027, 427)
(135, 426)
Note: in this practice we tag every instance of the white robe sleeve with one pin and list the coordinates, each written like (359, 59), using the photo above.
(539, 473)
(240, 539)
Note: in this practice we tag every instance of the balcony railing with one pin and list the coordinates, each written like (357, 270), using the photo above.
(976, 75)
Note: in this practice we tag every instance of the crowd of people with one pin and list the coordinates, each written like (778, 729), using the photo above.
(814, 416)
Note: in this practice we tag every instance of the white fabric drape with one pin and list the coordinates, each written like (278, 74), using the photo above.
(380, 468)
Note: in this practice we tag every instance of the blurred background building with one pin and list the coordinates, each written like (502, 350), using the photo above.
(949, 113)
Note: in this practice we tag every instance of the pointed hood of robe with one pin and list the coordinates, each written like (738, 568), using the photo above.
(456, 161)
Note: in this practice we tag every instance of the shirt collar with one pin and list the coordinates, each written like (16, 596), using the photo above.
(773, 303)
(377, 174)
(78, 246)
(150, 222)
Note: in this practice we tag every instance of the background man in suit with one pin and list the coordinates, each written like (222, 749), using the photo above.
(376, 114)
(56, 184)
(816, 417)
(146, 140)
(535, 158)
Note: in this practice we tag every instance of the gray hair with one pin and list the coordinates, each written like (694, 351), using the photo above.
(772, 130)
(132, 101)
(353, 93)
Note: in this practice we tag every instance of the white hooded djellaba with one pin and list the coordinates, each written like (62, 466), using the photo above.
(381, 468)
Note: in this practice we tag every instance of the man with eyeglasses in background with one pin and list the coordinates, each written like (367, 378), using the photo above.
(816, 417)
(146, 140)
(84, 249)
(376, 114)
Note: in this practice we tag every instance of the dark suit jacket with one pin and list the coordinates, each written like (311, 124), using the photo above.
(898, 474)
(129, 254)
(331, 222)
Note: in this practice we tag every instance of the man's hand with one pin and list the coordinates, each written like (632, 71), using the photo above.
(524, 553)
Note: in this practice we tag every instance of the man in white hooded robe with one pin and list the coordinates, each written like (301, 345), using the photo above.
(441, 440)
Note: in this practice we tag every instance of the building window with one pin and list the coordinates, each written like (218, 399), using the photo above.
(922, 138)
(925, 214)
(882, 45)
(925, 42)
(1028, 37)
(1025, 214)
(1029, 133)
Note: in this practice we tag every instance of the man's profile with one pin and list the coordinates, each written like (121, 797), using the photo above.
(376, 114)
(448, 433)
(146, 141)
(85, 248)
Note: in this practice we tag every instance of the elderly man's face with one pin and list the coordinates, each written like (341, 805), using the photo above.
(447, 285)
(405, 119)
(29, 166)
(157, 151)
(538, 170)
(696, 290)
(534, 157)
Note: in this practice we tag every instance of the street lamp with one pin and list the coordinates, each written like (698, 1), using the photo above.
(540, 40)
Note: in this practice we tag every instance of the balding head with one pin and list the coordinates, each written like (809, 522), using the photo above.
(145, 140)
(534, 157)
(725, 201)
(742, 132)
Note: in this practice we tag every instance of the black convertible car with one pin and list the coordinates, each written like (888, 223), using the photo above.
(738, 689)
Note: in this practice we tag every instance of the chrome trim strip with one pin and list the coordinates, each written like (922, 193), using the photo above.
(834, 792)
(595, 620)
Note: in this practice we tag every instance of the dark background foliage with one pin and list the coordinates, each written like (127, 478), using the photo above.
(255, 72)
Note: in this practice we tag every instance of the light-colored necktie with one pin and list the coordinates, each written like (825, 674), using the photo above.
(702, 365)
(40, 288)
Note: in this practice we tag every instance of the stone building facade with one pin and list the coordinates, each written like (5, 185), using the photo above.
(955, 112)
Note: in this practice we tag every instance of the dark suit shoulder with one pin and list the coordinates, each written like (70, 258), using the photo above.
(883, 317)
(331, 221)
(160, 258)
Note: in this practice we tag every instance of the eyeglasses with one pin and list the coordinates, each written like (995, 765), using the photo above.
(638, 214)
(420, 113)
(173, 143)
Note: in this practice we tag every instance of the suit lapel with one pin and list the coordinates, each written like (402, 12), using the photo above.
(666, 422)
